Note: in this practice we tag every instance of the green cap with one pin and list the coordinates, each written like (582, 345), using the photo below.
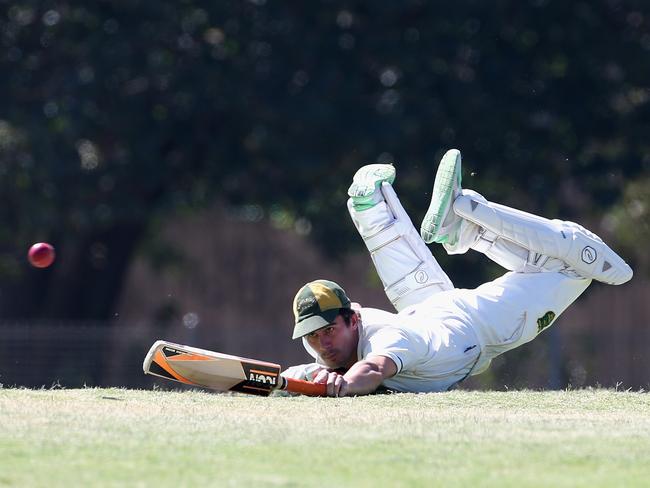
(316, 305)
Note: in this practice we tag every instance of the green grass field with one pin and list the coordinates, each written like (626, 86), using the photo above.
(114, 437)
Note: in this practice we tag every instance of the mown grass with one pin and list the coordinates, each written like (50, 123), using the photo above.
(115, 437)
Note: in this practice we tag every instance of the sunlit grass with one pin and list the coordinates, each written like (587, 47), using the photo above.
(114, 437)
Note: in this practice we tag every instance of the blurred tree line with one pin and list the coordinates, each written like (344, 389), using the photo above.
(117, 114)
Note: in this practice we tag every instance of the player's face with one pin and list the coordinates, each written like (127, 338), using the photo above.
(336, 343)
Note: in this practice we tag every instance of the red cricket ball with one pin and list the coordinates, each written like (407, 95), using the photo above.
(41, 255)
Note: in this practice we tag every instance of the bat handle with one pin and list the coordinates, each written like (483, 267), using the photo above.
(304, 387)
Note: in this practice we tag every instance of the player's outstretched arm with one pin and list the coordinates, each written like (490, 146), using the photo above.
(362, 378)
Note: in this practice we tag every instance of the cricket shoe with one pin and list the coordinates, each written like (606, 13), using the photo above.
(365, 188)
(441, 224)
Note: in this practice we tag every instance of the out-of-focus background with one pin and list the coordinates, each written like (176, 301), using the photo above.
(189, 161)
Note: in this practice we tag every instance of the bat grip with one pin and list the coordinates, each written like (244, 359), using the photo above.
(304, 387)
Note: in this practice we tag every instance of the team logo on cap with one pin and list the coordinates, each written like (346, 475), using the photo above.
(305, 303)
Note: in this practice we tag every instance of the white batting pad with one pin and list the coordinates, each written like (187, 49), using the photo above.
(580, 249)
(406, 267)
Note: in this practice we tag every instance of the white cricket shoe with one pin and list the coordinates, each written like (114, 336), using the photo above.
(364, 190)
(441, 224)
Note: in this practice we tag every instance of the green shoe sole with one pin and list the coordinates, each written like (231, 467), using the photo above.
(367, 181)
(447, 185)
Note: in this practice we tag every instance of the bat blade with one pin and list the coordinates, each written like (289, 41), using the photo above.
(212, 370)
(222, 372)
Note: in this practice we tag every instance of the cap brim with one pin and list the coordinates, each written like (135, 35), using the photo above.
(313, 323)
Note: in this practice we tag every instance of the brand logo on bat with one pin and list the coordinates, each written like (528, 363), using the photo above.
(263, 378)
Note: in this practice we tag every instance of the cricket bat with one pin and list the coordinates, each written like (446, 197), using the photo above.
(222, 372)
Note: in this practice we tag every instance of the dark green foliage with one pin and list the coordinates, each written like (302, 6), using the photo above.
(115, 114)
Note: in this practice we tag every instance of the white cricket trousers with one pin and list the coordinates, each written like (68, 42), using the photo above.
(504, 313)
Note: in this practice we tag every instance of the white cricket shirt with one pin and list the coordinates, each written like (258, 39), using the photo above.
(432, 343)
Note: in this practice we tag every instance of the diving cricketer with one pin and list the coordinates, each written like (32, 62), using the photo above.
(439, 334)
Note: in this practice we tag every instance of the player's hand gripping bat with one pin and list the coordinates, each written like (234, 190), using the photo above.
(222, 372)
